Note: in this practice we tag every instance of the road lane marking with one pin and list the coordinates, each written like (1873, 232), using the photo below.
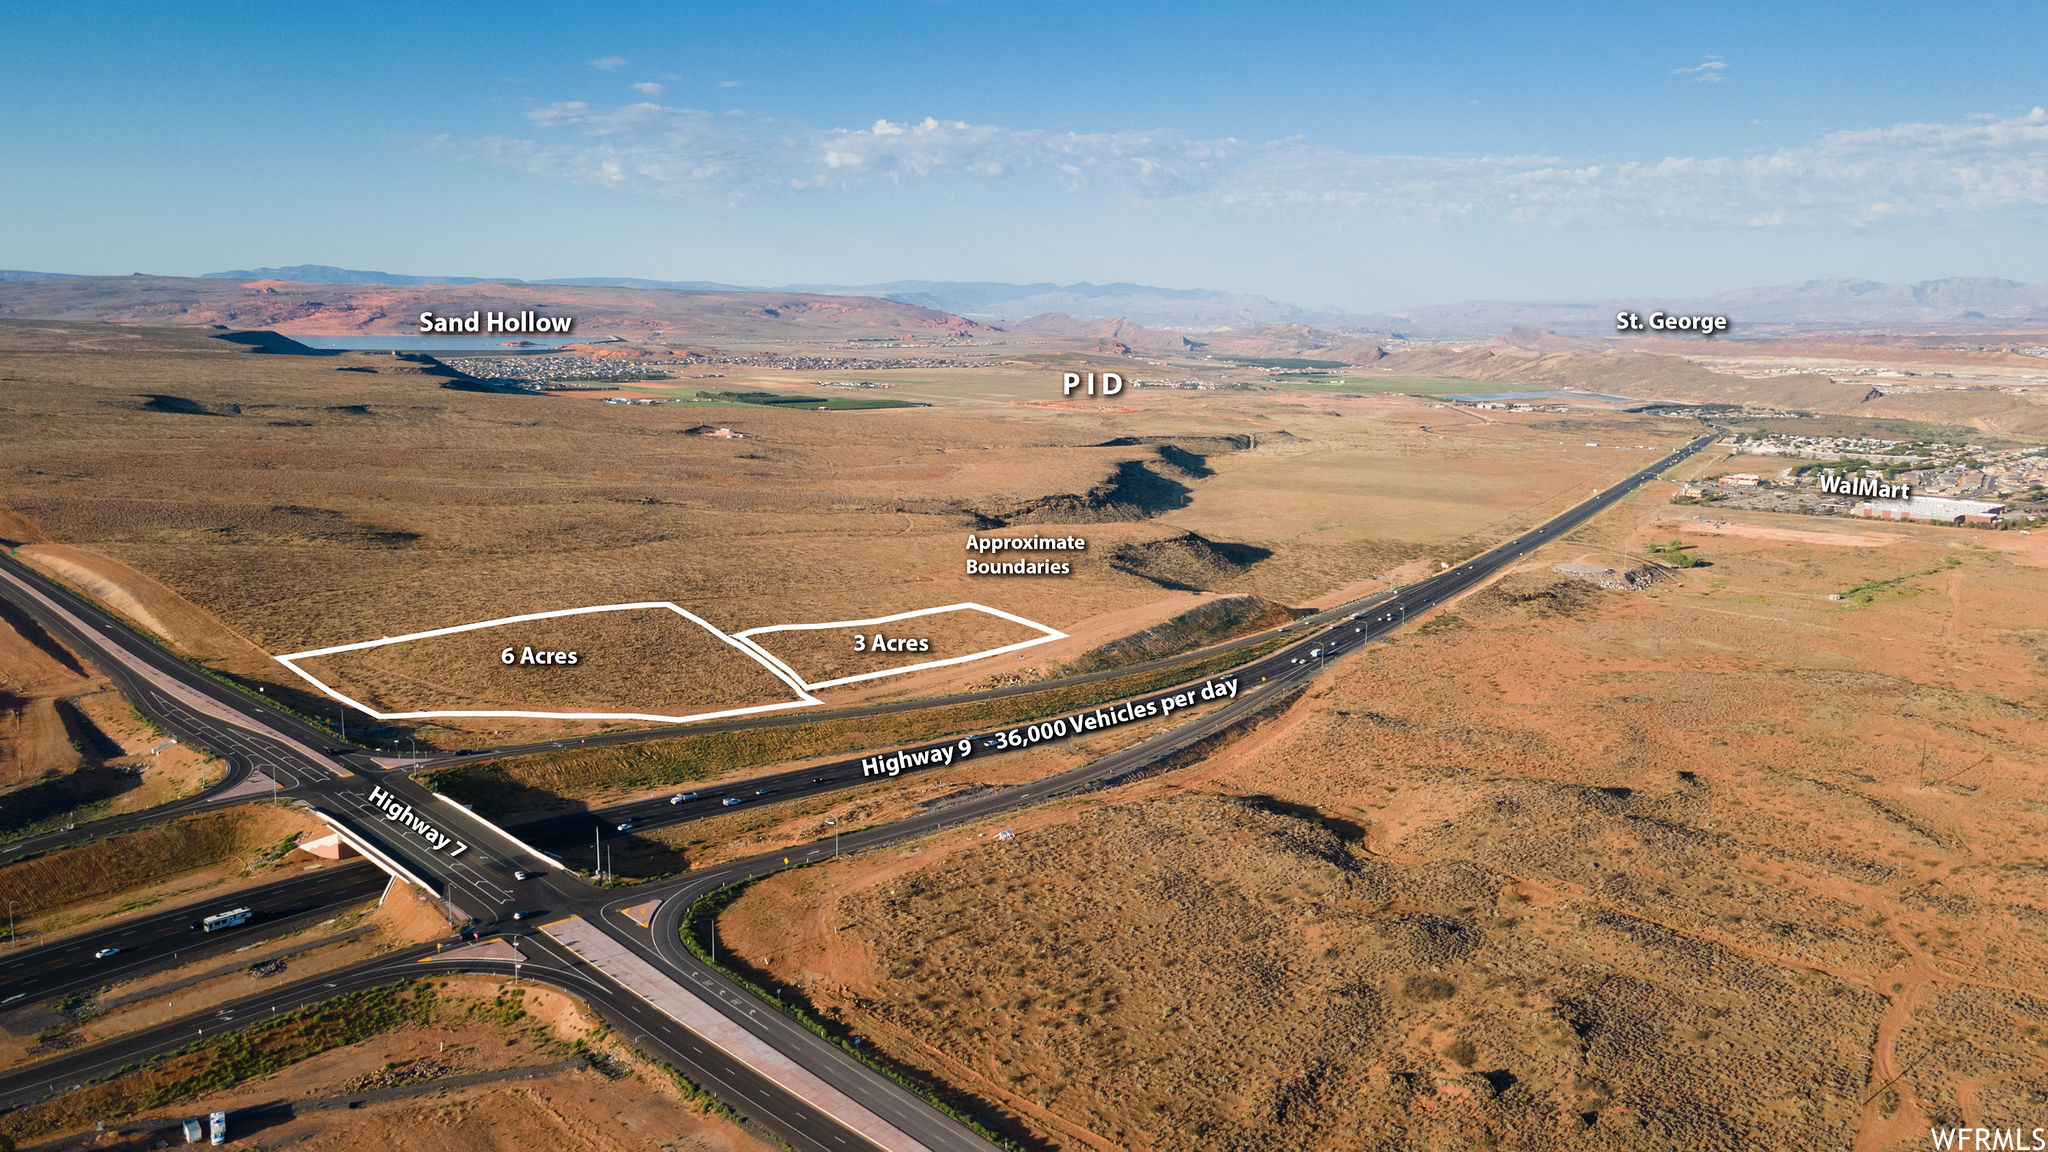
(661, 992)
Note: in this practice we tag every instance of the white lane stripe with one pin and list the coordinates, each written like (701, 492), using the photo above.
(626, 968)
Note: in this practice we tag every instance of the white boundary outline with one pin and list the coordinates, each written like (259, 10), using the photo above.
(804, 698)
(741, 640)
(747, 638)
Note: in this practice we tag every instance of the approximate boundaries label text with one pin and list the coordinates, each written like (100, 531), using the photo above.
(987, 544)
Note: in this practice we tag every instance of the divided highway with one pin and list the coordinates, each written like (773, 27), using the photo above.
(1332, 632)
(162, 939)
(475, 867)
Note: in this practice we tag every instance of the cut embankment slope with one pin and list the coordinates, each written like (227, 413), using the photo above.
(154, 858)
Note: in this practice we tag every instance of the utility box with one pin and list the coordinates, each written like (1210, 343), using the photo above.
(219, 1123)
(195, 1131)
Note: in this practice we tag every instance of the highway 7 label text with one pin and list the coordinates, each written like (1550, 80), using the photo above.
(399, 812)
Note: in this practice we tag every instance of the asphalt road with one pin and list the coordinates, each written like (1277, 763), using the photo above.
(815, 716)
(243, 754)
(479, 877)
(163, 939)
(632, 1019)
(122, 654)
(1334, 632)
(1558, 526)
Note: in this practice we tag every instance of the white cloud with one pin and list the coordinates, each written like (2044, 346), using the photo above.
(607, 63)
(1708, 71)
(730, 83)
(1856, 178)
(649, 89)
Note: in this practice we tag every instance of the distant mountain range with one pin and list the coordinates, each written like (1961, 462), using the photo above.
(1181, 308)
(329, 274)
(1813, 303)
(1958, 303)
(979, 300)
(378, 310)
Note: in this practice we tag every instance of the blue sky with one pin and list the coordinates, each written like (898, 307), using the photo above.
(1359, 156)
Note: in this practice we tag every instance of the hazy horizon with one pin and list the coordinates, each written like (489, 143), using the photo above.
(1130, 289)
